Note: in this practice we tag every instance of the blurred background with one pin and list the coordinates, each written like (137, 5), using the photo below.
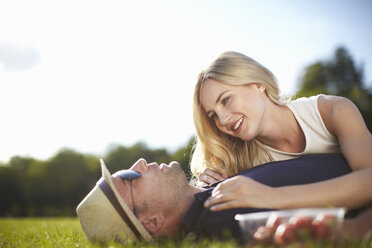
(81, 80)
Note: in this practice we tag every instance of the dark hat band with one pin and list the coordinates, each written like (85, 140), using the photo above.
(115, 203)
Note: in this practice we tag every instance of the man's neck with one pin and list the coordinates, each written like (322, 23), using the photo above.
(176, 218)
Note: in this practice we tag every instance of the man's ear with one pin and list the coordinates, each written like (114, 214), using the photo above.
(153, 223)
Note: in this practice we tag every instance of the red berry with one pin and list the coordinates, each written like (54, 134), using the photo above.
(285, 233)
(301, 221)
(264, 234)
(321, 229)
(274, 221)
(330, 220)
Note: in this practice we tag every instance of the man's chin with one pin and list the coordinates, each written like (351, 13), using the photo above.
(176, 169)
(174, 163)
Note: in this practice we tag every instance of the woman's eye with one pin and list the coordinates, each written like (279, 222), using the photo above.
(224, 101)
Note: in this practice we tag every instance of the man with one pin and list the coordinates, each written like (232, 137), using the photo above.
(151, 200)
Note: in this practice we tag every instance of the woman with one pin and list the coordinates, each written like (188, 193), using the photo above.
(241, 122)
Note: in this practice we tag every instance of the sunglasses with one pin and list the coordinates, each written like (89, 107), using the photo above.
(129, 175)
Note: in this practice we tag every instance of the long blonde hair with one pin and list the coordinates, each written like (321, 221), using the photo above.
(214, 149)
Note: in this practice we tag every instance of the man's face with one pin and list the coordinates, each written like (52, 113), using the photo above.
(158, 188)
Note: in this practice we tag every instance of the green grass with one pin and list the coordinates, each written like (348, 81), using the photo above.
(66, 232)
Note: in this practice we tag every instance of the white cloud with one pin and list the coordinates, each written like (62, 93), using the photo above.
(18, 58)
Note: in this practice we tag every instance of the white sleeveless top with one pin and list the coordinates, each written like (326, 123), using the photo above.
(317, 137)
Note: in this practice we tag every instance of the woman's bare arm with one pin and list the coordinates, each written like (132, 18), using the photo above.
(343, 120)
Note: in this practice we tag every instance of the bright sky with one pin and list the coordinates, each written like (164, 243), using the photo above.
(87, 74)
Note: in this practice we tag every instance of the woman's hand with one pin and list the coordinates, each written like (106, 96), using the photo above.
(239, 192)
(208, 177)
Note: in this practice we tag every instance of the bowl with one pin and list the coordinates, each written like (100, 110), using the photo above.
(250, 223)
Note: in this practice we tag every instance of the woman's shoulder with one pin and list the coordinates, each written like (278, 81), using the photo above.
(318, 108)
(331, 108)
(329, 101)
(328, 104)
(324, 103)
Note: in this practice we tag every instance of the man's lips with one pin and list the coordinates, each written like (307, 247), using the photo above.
(162, 166)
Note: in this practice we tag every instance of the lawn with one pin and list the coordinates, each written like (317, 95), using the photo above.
(66, 232)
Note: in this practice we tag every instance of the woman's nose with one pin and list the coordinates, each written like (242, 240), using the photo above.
(223, 118)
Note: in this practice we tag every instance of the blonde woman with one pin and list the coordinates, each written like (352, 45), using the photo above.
(241, 121)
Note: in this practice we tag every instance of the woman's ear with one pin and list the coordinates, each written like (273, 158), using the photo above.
(153, 223)
(261, 87)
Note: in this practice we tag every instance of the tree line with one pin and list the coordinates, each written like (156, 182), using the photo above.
(54, 187)
(30, 187)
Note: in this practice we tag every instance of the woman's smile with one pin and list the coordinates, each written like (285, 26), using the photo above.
(236, 126)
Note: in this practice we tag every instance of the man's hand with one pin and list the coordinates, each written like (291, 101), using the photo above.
(238, 192)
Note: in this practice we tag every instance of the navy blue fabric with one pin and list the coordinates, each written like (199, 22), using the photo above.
(307, 169)
(304, 170)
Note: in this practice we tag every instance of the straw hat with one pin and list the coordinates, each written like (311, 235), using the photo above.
(104, 215)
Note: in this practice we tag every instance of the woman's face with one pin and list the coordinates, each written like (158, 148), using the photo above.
(236, 110)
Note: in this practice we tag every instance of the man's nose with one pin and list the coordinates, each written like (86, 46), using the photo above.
(140, 165)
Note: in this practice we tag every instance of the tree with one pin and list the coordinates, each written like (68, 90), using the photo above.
(340, 76)
(121, 157)
(29, 187)
(68, 179)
